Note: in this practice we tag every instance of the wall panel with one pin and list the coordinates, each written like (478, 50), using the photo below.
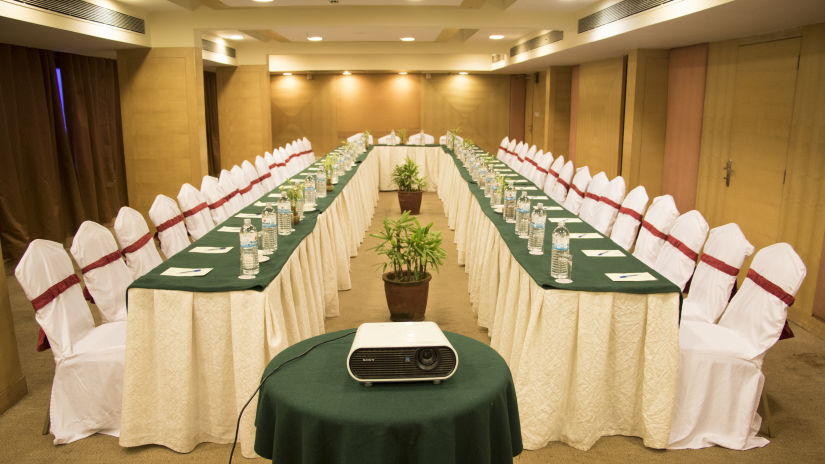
(243, 113)
(600, 115)
(305, 108)
(557, 110)
(378, 102)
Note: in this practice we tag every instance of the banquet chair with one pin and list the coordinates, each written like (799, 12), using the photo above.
(677, 258)
(283, 155)
(390, 139)
(300, 153)
(528, 162)
(289, 159)
(309, 157)
(720, 378)
(656, 225)
(578, 187)
(553, 174)
(510, 152)
(88, 374)
(543, 162)
(233, 194)
(518, 158)
(715, 275)
(273, 164)
(136, 242)
(216, 199)
(559, 193)
(281, 174)
(195, 210)
(355, 137)
(598, 184)
(608, 207)
(264, 176)
(168, 220)
(254, 179)
(420, 138)
(105, 273)
(244, 184)
(626, 227)
(502, 149)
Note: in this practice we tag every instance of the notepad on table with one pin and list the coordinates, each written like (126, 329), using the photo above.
(186, 271)
(568, 220)
(210, 250)
(586, 235)
(541, 197)
(274, 195)
(629, 276)
(603, 253)
(229, 229)
(527, 188)
(248, 216)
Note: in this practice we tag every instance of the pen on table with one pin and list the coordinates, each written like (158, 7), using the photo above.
(633, 274)
(191, 271)
(601, 253)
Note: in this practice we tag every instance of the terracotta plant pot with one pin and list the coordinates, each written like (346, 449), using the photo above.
(407, 301)
(410, 201)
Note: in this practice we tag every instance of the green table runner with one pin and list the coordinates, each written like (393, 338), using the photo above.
(588, 272)
(226, 267)
(312, 411)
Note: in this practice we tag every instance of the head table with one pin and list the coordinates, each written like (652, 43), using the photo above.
(588, 359)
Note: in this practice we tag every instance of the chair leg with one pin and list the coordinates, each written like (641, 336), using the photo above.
(47, 424)
(766, 420)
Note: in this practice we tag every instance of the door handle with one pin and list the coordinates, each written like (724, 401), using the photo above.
(728, 171)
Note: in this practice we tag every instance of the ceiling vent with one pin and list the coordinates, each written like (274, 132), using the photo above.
(496, 57)
(215, 47)
(90, 12)
(616, 12)
(536, 42)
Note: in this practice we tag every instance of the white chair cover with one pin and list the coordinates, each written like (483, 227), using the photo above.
(244, 185)
(355, 137)
(262, 168)
(195, 210)
(136, 242)
(301, 152)
(502, 149)
(715, 276)
(283, 169)
(578, 187)
(420, 138)
(88, 374)
(272, 163)
(106, 275)
(655, 226)
(720, 379)
(168, 220)
(608, 207)
(216, 198)
(553, 175)
(559, 193)
(528, 164)
(510, 152)
(309, 157)
(598, 184)
(518, 159)
(233, 194)
(390, 139)
(543, 162)
(289, 159)
(630, 217)
(254, 179)
(677, 258)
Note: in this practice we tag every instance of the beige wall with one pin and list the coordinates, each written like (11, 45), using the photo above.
(243, 113)
(378, 102)
(305, 108)
(164, 128)
(12, 382)
(557, 110)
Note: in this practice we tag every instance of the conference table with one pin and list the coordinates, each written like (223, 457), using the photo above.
(311, 410)
(592, 358)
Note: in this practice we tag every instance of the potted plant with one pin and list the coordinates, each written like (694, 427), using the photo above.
(451, 136)
(366, 136)
(410, 186)
(411, 251)
(402, 136)
(329, 170)
(294, 192)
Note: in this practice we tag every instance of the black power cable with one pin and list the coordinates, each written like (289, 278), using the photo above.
(257, 390)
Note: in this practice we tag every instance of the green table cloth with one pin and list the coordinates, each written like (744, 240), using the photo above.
(312, 411)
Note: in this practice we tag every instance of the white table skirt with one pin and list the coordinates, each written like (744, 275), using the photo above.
(193, 359)
(427, 158)
(585, 364)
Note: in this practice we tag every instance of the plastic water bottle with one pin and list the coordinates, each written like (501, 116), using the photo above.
(249, 249)
(495, 195)
(321, 184)
(535, 240)
(559, 266)
(269, 229)
(309, 191)
(284, 216)
(510, 203)
(491, 179)
(482, 176)
(523, 216)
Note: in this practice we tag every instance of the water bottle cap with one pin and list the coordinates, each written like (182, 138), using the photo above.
(540, 205)
(247, 221)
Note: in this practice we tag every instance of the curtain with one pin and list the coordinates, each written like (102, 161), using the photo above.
(51, 181)
(213, 141)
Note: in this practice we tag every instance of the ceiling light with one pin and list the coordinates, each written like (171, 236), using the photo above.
(314, 38)
(347, 73)
(496, 37)
(263, 1)
(235, 37)
(403, 73)
(287, 74)
(407, 39)
(463, 73)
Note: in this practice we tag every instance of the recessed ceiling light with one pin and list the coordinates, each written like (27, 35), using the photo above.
(407, 39)
(263, 1)
(287, 74)
(403, 73)
(463, 73)
(235, 37)
(347, 73)
(496, 37)
(314, 38)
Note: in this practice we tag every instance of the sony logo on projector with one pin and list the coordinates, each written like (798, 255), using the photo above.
(401, 352)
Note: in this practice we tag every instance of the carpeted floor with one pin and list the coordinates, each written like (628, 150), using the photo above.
(795, 371)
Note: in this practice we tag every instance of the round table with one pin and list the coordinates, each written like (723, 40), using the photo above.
(312, 411)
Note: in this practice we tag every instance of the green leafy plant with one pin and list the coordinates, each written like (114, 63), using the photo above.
(411, 249)
(329, 165)
(366, 137)
(402, 135)
(451, 136)
(407, 177)
(293, 191)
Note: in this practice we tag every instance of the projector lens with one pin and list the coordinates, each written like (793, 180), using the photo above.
(426, 358)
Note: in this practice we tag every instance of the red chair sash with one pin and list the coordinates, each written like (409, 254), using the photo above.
(577, 190)
(719, 264)
(554, 174)
(682, 247)
(634, 214)
(265, 176)
(592, 196)
(195, 210)
(609, 202)
(219, 203)
(139, 243)
(770, 287)
(167, 224)
(110, 258)
(653, 230)
(564, 184)
(540, 169)
(45, 298)
(231, 194)
(246, 189)
(531, 161)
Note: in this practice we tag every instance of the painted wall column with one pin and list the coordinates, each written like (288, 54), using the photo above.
(244, 113)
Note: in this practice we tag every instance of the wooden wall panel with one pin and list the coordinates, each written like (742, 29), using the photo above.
(243, 113)
(535, 108)
(517, 103)
(574, 114)
(600, 108)
(557, 109)
(164, 126)
(685, 100)
(379, 102)
(305, 108)
(12, 382)
(645, 116)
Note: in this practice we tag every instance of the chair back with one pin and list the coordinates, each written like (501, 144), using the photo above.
(105, 272)
(254, 179)
(46, 274)
(608, 206)
(529, 165)
(626, 226)
(136, 242)
(216, 198)
(553, 175)
(559, 193)
(265, 177)
(502, 149)
(244, 185)
(759, 309)
(195, 210)
(677, 258)
(232, 191)
(598, 184)
(168, 220)
(715, 275)
(578, 187)
(543, 162)
(656, 225)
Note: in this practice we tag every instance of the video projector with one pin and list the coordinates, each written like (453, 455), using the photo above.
(401, 352)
